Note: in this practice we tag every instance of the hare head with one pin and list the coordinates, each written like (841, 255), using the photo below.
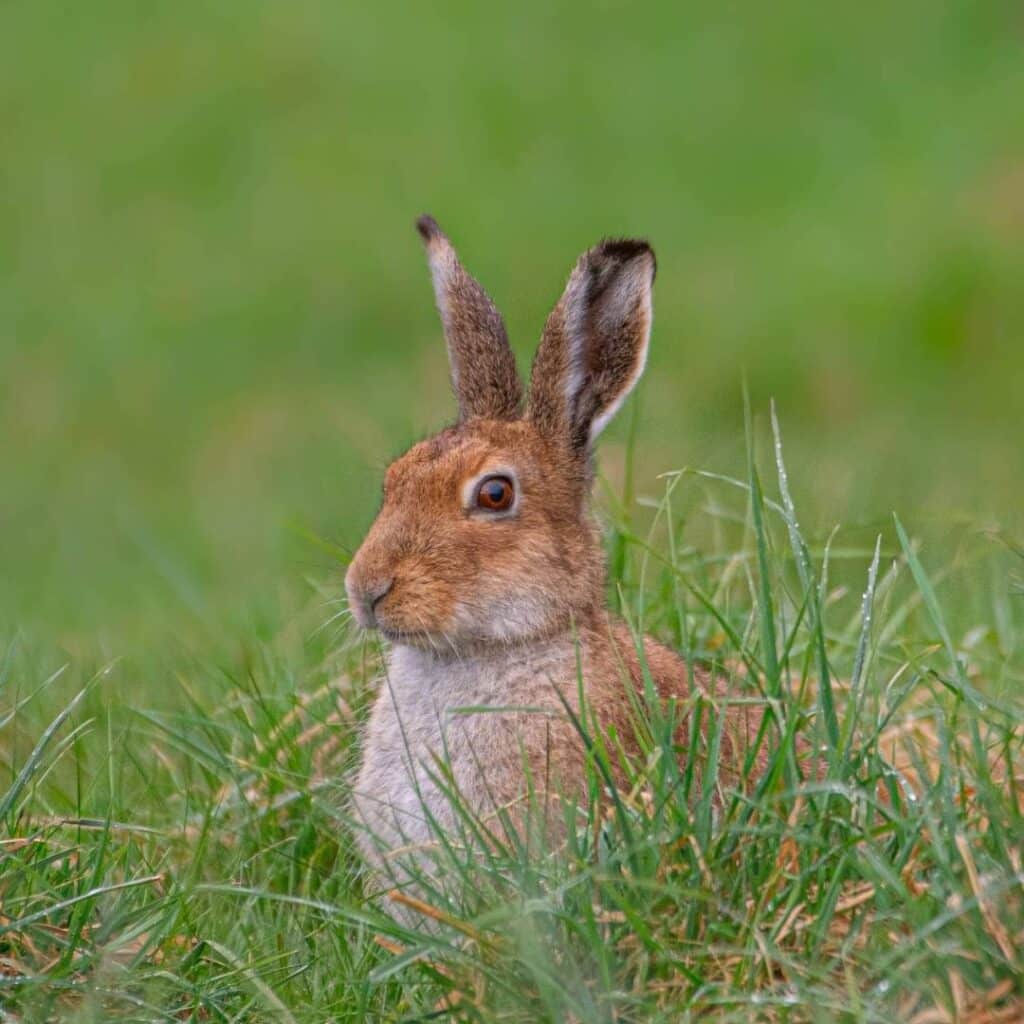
(484, 536)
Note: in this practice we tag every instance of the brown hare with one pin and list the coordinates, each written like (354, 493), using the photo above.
(484, 567)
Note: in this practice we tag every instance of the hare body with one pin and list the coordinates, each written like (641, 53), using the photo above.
(418, 718)
(497, 718)
(484, 569)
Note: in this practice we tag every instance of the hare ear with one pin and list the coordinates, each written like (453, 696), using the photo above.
(484, 376)
(594, 344)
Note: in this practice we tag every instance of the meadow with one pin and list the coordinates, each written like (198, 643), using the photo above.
(216, 328)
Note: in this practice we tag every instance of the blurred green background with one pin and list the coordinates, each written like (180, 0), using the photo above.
(216, 325)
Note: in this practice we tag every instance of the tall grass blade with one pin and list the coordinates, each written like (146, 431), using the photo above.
(867, 605)
(766, 618)
(802, 557)
(959, 681)
(35, 759)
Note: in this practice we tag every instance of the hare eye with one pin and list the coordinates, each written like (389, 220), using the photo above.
(495, 494)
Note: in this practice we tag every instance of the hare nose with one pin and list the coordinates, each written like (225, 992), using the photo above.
(377, 592)
(366, 599)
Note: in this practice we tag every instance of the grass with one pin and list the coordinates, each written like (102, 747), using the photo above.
(188, 855)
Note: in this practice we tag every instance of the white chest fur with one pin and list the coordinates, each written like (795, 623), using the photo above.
(463, 724)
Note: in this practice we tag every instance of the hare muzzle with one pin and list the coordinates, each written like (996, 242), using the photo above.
(365, 595)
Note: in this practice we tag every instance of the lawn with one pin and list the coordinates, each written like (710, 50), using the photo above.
(215, 330)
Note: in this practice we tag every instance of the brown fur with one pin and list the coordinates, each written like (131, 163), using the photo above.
(506, 613)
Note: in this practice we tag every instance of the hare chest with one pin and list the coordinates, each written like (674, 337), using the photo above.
(459, 733)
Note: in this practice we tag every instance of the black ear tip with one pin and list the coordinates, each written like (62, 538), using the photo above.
(428, 228)
(627, 250)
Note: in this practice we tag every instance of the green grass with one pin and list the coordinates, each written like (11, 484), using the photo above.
(187, 854)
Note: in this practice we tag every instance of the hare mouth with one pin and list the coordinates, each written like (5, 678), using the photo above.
(395, 636)
(442, 646)
(413, 637)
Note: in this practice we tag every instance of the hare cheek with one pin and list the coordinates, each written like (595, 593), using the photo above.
(419, 603)
(510, 617)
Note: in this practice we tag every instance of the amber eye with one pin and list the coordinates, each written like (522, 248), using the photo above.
(495, 494)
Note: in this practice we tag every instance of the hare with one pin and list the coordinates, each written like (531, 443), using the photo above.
(484, 568)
